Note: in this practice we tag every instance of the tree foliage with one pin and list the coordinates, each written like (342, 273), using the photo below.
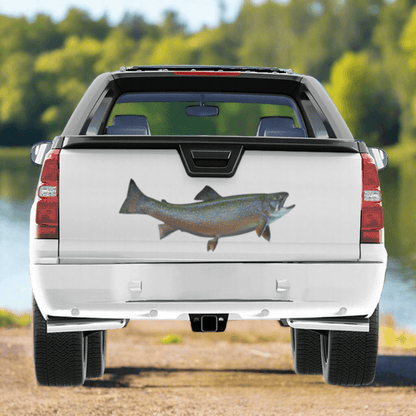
(358, 87)
(363, 50)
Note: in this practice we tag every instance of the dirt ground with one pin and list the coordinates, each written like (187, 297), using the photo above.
(245, 371)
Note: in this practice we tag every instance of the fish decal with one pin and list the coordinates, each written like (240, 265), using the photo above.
(214, 217)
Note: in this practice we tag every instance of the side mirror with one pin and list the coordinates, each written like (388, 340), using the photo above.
(39, 151)
(380, 157)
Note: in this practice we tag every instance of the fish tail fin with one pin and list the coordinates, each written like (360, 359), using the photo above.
(135, 200)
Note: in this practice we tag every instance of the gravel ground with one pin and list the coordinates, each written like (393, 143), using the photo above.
(245, 371)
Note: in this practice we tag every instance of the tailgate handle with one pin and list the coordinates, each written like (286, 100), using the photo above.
(211, 158)
(209, 161)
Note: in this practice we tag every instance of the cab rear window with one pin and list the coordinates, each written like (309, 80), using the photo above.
(206, 114)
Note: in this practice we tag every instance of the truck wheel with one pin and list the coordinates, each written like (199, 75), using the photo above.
(350, 358)
(60, 358)
(96, 354)
(306, 349)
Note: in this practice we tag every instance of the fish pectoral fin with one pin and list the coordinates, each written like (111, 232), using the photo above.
(207, 194)
(212, 244)
(262, 228)
(165, 230)
(266, 233)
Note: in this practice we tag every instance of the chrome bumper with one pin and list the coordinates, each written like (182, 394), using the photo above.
(332, 324)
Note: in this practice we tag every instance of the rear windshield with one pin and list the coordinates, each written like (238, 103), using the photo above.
(206, 114)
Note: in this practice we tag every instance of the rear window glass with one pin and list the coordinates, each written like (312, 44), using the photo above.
(206, 114)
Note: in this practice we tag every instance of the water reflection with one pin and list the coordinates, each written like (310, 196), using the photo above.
(398, 184)
(18, 180)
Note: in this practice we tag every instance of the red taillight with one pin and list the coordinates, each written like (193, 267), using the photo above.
(371, 236)
(47, 232)
(371, 210)
(209, 73)
(372, 218)
(47, 208)
(47, 212)
(50, 168)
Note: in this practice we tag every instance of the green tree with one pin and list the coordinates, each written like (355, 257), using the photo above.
(356, 20)
(391, 43)
(365, 48)
(359, 88)
(212, 47)
(116, 51)
(13, 36)
(408, 44)
(172, 25)
(16, 93)
(20, 105)
(65, 74)
(266, 36)
(43, 35)
(208, 47)
(78, 23)
(136, 27)
(330, 28)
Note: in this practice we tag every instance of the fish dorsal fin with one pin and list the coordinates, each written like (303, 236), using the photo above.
(207, 194)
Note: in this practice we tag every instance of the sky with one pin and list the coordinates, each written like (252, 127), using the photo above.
(195, 13)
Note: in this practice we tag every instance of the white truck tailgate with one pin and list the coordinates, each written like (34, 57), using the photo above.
(324, 224)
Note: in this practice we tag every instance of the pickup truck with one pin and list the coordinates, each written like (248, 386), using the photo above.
(207, 194)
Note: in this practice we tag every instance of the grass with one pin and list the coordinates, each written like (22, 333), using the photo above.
(390, 335)
(10, 320)
(254, 338)
(393, 337)
(171, 339)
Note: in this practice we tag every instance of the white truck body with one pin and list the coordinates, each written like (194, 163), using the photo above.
(207, 194)
(106, 265)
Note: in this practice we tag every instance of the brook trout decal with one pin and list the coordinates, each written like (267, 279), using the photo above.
(214, 217)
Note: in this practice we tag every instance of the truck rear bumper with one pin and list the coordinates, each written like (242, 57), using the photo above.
(242, 290)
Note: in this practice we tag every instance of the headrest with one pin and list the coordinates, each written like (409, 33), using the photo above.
(129, 124)
(279, 127)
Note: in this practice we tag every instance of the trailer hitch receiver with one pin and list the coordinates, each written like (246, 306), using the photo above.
(208, 322)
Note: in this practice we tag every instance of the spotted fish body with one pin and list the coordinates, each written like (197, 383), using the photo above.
(214, 217)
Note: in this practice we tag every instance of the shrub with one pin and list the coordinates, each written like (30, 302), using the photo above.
(9, 320)
(171, 339)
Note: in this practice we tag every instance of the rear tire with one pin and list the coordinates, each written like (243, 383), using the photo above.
(96, 354)
(306, 350)
(350, 358)
(60, 358)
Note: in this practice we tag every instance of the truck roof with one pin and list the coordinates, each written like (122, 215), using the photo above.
(213, 68)
(108, 87)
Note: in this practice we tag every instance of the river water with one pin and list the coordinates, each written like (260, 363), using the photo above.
(18, 179)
